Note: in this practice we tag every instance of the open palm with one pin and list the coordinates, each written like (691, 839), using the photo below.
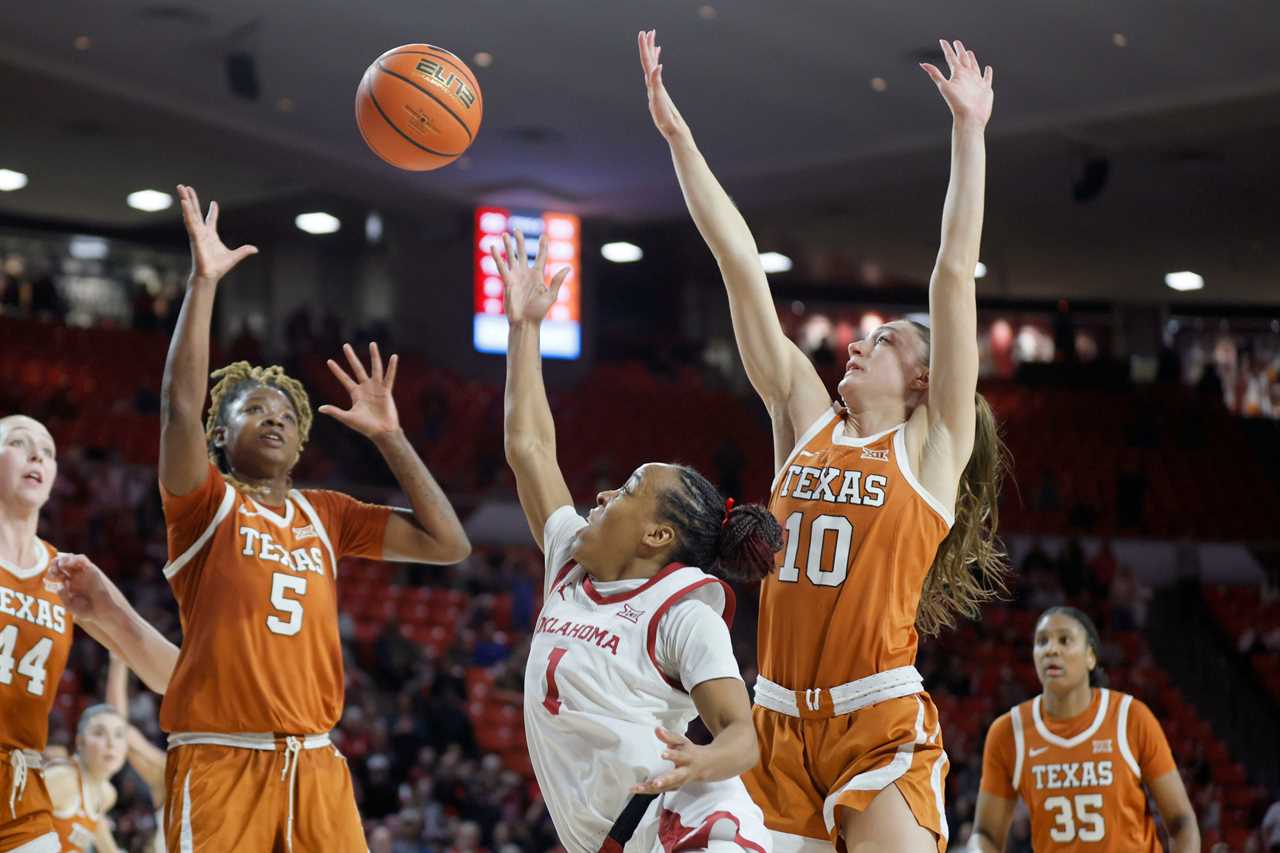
(373, 409)
(527, 297)
(968, 91)
(663, 110)
(210, 258)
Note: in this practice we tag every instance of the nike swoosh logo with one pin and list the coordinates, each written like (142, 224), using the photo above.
(1036, 752)
(807, 453)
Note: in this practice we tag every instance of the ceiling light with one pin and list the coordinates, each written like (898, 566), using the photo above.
(1185, 280)
(774, 262)
(707, 12)
(484, 59)
(980, 271)
(88, 248)
(1119, 39)
(11, 180)
(879, 84)
(621, 252)
(82, 42)
(373, 227)
(317, 222)
(150, 200)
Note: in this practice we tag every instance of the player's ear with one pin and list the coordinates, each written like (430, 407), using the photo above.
(659, 536)
(220, 436)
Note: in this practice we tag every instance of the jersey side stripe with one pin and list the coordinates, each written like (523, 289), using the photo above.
(1122, 734)
(311, 513)
(881, 777)
(1019, 745)
(228, 501)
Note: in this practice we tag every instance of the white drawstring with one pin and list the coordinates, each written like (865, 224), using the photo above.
(18, 763)
(292, 750)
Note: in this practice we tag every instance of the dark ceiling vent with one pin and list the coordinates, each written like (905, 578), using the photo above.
(175, 13)
(83, 127)
(533, 135)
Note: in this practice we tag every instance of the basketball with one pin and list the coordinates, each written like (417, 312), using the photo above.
(419, 107)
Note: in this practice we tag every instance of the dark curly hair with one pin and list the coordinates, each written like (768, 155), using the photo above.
(738, 544)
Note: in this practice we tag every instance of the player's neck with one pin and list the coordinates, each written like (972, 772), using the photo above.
(18, 536)
(1064, 706)
(272, 491)
(860, 422)
(632, 570)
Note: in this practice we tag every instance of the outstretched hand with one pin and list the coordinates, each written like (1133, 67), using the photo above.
(663, 110)
(373, 409)
(210, 258)
(83, 587)
(968, 91)
(527, 297)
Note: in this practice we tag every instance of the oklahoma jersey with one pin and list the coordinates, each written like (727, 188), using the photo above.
(861, 535)
(596, 688)
(1080, 778)
(257, 594)
(35, 639)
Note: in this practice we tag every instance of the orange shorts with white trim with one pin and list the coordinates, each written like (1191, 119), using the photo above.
(26, 814)
(225, 798)
(810, 769)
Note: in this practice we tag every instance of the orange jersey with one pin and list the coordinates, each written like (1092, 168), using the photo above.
(1080, 778)
(75, 829)
(257, 594)
(35, 639)
(861, 534)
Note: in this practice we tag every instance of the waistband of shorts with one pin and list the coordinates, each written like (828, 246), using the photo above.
(826, 702)
(265, 741)
(35, 760)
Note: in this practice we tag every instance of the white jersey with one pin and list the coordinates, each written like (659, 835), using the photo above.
(601, 678)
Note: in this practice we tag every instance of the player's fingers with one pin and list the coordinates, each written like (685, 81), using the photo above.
(541, 259)
(934, 74)
(497, 260)
(339, 415)
(990, 75)
(557, 280)
(375, 362)
(212, 219)
(949, 55)
(392, 364)
(341, 375)
(521, 252)
(243, 252)
(670, 738)
(357, 369)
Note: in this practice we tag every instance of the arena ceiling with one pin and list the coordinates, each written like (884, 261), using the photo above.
(1181, 101)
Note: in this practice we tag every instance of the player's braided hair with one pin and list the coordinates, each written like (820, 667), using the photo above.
(971, 566)
(233, 382)
(738, 543)
(1097, 675)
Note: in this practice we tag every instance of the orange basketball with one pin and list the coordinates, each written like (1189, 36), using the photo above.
(419, 107)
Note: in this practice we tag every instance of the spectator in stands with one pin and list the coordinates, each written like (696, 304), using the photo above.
(1270, 832)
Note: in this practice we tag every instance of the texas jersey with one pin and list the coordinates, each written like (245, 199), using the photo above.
(861, 534)
(77, 827)
(35, 639)
(594, 690)
(257, 594)
(1080, 778)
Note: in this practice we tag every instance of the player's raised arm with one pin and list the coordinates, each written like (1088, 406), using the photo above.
(781, 374)
(431, 533)
(184, 461)
(953, 310)
(529, 433)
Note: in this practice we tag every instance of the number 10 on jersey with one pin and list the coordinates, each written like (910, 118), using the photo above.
(821, 527)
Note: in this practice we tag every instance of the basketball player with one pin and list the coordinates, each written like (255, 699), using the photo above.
(36, 625)
(81, 790)
(632, 641)
(1079, 755)
(253, 564)
(144, 757)
(888, 499)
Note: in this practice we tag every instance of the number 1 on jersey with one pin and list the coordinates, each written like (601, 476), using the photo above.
(818, 530)
(552, 700)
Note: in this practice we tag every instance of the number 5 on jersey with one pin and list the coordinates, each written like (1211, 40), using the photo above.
(835, 574)
(291, 607)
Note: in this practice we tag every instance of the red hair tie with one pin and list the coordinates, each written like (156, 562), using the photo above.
(728, 506)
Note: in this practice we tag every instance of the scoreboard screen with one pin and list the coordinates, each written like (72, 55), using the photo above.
(562, 330)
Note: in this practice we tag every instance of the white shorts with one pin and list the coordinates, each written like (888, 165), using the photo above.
(702, 816)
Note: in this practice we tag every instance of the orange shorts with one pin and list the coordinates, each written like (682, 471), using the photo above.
(810, 769)
(28, 826)
(223, 798)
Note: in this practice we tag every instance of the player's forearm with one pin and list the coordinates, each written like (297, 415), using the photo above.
(144, 649)
(980, 842)
(186, 368)
(717, 218)
(118, 685)
(527, 421)
(962, 211)
(431, 508)
(733, 752)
